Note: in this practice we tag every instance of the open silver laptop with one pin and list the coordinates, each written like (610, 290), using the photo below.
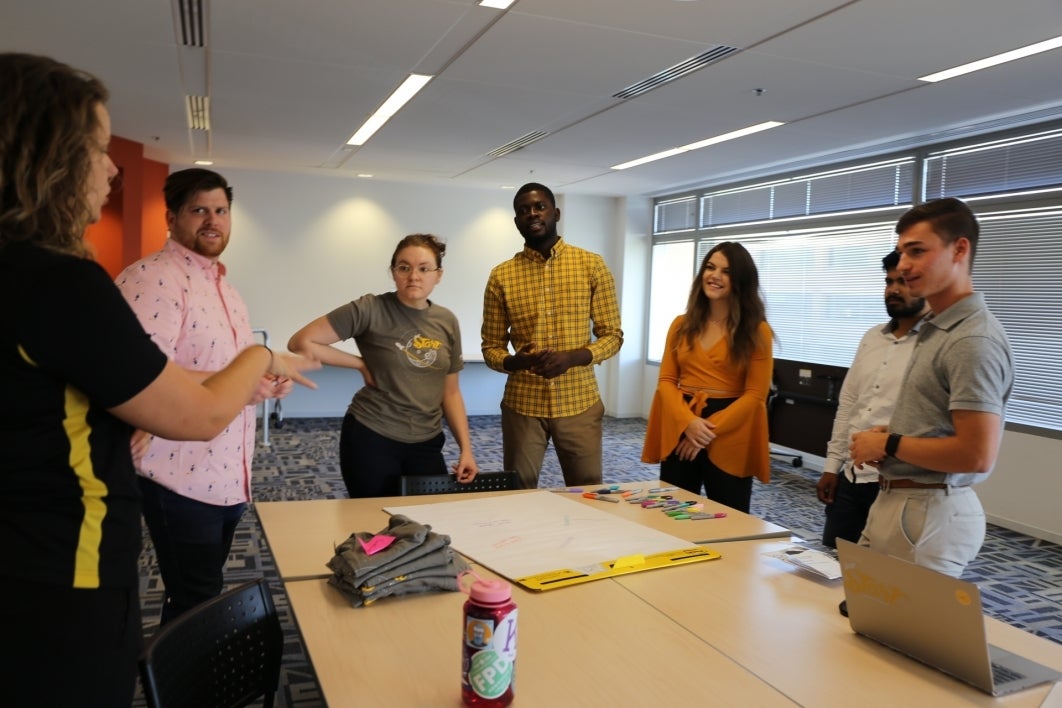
(931, 617)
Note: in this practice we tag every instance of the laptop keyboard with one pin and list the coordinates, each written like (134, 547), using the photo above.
(1003, 674)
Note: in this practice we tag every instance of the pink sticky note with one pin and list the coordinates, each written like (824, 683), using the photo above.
(376, 544)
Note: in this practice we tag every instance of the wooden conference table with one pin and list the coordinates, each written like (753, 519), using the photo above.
(302, 534)
(746, 629)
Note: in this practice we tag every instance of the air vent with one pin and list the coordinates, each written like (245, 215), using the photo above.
(676, 72)
(191, 17)
(517, 144)
(198, 112)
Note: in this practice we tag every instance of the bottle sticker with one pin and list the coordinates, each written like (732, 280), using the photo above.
(491, 669)
(478, 631)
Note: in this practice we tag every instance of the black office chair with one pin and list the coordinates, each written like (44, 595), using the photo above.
(448, 484)
(224, 653)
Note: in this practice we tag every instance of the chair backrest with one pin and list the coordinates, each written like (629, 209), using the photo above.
(448, 484)
(223, 653)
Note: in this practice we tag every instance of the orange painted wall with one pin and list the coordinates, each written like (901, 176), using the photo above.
(152, 212)
(105, 236)
(133, 222)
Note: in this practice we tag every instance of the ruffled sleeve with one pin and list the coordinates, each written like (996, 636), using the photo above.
(742, 443)
(669, 414)
(741, 446)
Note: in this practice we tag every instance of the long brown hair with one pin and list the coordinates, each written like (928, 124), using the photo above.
(747, 310)
(47, 124)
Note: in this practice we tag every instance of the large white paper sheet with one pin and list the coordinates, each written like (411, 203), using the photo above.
(520, 535)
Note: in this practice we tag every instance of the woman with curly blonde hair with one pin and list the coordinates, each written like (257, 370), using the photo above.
(79, 374)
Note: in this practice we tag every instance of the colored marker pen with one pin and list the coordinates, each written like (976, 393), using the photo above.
(686, 507)
(601, 497)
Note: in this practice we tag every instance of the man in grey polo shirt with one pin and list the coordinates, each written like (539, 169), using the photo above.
(945, 433)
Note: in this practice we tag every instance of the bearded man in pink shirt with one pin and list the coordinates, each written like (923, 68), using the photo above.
(194, 493)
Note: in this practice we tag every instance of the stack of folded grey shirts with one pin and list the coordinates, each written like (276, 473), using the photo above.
(418, 560)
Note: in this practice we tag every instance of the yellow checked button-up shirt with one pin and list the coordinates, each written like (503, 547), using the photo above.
(551, 303)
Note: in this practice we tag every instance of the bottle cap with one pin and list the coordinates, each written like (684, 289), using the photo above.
(492, 591)
(489, 591)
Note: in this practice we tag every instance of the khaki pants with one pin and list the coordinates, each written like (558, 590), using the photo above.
(577, 439)
(941, 529)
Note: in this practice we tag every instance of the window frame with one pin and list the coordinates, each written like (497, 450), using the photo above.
(995, 265)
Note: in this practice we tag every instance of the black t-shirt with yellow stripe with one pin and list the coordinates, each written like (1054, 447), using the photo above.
(70, 348)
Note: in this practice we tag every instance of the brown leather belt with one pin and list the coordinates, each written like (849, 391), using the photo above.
(887, 484)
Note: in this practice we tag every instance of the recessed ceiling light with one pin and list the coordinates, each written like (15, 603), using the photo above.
(407, 90)
(364, 174)
(1003, 58)
(204, 163)
(732, 135)
(699, 144)
(649, 158)
(496, 4)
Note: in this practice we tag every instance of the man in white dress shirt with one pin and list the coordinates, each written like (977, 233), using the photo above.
(867, 399)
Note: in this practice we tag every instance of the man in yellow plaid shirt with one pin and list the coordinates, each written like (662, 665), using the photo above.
(546, 301)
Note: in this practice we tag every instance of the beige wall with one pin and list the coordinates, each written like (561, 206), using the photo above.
(1025, 490)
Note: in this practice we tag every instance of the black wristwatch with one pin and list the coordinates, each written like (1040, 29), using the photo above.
(892, 443)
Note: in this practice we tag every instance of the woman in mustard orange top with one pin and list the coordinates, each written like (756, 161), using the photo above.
(708, 422)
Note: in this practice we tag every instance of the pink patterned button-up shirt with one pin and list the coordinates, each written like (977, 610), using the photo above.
(200, 322)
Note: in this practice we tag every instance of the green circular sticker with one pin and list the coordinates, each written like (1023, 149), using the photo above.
(490, 673)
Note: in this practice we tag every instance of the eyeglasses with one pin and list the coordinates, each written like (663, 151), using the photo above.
(405, 269)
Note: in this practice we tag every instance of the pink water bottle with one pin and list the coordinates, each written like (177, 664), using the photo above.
(488, 660)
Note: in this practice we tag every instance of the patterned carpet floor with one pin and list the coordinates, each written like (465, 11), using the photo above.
(1020, 577)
